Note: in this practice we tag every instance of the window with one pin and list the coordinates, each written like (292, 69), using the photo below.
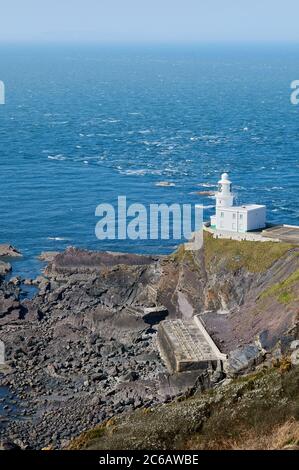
(234, 215)
(241, 216)
(221, 214)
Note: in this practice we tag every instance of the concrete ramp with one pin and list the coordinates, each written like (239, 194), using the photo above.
(186, 345)
(284, 233)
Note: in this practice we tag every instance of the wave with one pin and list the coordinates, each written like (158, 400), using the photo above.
(165, 184)
(58, 239)
(276, 188)
(140, 172)
(207, 185)
(59, 157)
(205, 138)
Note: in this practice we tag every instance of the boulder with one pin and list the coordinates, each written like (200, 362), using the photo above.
(5, 268)
(294, 344)
(130, 376)
(9, 306)
(295, 357)
(242, 359)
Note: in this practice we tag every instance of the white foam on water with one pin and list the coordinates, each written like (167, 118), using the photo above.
(146, 131)
(140, 172)
(165, 184)
(207, 185)
(56, 157)
(58, 239)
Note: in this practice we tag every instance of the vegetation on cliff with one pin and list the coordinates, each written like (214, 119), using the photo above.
(285, 291)
(259, 411)
(253, 256)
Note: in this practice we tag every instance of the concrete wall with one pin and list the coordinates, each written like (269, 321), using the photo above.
(232, 220)
(257, 218)
(240, 220)
(249, 236)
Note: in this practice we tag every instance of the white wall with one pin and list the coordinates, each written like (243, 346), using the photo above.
(240, 220)
(229, 221)
(257, 218)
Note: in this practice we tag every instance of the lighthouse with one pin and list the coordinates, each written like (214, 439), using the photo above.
(224, 195)
(231, 218)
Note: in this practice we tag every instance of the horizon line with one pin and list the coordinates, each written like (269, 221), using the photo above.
(220, 42)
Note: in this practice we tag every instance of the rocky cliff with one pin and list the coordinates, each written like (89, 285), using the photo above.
(83, 349)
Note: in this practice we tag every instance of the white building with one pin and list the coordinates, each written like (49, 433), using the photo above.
(232, 218)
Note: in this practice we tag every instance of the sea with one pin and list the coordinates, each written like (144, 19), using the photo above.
(84, 124)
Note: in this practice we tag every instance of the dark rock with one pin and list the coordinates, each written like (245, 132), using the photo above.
(242, 359)
(5, 268)
(9, 445)
(48, 256)
(7, 251)
(129, 376)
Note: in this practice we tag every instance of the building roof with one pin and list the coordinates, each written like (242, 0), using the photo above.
(243, 208)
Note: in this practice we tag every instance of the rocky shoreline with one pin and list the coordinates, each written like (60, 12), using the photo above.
(84, 349)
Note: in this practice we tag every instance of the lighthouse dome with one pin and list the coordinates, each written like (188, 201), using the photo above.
(224, 177)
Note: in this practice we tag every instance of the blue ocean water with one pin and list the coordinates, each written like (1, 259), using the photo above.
(84, 124)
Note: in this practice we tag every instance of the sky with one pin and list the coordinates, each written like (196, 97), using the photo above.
(149, 20)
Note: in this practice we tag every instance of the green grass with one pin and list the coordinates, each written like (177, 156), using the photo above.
(254, 256)
(283, 291)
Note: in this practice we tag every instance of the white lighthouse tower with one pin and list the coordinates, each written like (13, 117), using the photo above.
(224, 196)
(230, 218)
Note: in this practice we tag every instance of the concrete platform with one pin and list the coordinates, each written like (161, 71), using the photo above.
(284, 233)
(254, 236)
(274, 233)
(185, 345)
